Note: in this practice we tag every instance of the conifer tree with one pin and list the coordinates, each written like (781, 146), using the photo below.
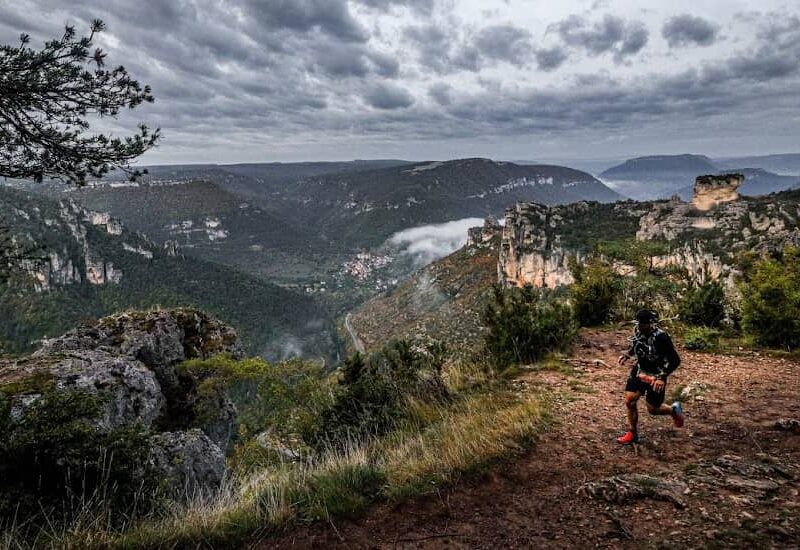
(46, 99)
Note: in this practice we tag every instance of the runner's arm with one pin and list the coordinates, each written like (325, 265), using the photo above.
(671, 357)
(627, 354)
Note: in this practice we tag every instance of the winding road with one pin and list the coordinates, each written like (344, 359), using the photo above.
(357, 343)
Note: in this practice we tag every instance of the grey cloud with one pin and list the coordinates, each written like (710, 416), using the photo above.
(505, 43)
(385, 64)
(421, 6)
(330, 16)
(636, 37)
(341, 60)
(18, 23)
(337, 60)
(764, 64)
(598, 38)
(433, 46)
(550, 59)
(611, 34)
(467, 57)
(441, 93)
(781, 29)
(688, 30)
(389, 97)
(457, 50)
(251, 82)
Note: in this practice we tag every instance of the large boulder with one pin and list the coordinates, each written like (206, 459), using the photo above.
(191, 464)
(115, 388)
(161, 340)
(130, 394)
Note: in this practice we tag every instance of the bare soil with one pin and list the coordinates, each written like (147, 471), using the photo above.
(741, 472)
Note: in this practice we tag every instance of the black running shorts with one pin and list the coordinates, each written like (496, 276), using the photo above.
(653, 397)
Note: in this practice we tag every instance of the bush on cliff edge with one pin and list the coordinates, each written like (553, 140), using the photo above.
(524, 324)
(56, 462)
(771, 305)
(596, 289)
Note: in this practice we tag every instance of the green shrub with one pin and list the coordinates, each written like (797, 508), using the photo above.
(285, 399)
(771, 300)
(658, 293)
(596, 289)
(701, 339)
(703, 305)
(373, 392)
(56, 462)
(633, 252)
(341, 491)
(524, 325)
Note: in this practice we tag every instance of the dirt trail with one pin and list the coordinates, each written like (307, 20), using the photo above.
(736, 496)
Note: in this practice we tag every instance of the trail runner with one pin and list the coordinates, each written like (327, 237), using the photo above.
(656, 359)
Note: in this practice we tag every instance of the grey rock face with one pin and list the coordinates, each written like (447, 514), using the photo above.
(131, 395)
(222, 429)
(156, 338)
(191, 464)
(130, 362)
(538, 241)
(161, 340)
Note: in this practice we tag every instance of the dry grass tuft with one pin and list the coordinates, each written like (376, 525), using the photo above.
(476, 432)
(482, 421)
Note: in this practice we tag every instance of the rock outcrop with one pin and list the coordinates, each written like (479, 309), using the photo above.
(70, 239)
(710, 191)
(482, 236)
(126, 366)
(191, 464)
(533, 249)
(701, 238)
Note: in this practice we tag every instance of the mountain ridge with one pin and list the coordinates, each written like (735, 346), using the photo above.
(661, 176)
(88, 265)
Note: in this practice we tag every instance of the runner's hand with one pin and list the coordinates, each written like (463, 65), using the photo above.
(647, 379)
(622, 359)
(658, 386)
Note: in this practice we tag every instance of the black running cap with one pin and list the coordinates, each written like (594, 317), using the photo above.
(646, 316)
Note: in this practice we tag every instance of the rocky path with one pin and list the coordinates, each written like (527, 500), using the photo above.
(730, 478)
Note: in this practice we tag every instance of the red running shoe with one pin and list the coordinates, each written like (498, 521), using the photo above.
(677, 414)
(628, 438)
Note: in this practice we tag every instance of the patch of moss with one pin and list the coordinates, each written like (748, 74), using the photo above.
(203, 336)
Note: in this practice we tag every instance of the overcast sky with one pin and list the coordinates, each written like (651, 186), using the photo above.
(266, 80)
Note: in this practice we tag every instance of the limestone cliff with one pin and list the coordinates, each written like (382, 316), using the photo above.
(703, 237)
(538, 242)
(710, 191)
(67, 244)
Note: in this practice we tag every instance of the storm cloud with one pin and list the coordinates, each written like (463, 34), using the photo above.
(389, 96)
(304, 79)
(451, 50)
(551, 58)
(610, 34)
(688, 30)
(422, 6)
